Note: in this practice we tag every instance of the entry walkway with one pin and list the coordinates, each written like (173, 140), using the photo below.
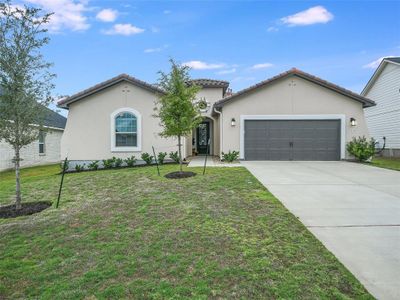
(212, 161)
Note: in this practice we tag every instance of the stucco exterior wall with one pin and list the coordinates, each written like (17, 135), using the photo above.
(88, 130)
(30, 153)
(211, 95)
(290, 96)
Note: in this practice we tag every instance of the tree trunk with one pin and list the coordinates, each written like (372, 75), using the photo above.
(17, 181)
(180, 153)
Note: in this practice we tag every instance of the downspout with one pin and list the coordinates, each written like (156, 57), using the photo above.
(221, 131)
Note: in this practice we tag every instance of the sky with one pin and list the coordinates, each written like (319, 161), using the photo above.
(243, 42)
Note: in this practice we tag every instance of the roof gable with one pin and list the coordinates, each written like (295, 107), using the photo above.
(210, 83)
(378, 71)
(295, 72)
(64, 103)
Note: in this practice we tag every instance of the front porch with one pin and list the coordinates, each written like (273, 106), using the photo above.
(204, 139)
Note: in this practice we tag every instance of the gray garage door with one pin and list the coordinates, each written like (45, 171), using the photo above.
(292, 139)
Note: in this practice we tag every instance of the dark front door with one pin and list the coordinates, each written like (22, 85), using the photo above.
(203, 135)
(292, 140)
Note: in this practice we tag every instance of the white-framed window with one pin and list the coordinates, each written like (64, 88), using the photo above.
(125, 130)
(42, 142)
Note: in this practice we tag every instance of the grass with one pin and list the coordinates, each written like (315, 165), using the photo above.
(386, 162)
(130, 234)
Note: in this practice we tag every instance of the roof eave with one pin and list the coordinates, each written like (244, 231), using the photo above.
(66, 102)
(366, 102)
(376, 74)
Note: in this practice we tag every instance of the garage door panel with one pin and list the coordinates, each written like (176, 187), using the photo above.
(292, 140)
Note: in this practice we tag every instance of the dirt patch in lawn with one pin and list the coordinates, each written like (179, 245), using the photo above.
(29, 208)
(179, 175)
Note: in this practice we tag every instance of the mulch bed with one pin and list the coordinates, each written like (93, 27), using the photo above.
(179, 175)
(28, 208)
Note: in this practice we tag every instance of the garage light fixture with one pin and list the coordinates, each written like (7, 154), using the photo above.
(353, 122)
(233, 122)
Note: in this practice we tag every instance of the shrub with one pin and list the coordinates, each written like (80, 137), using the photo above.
(161, 157)
(94, 165)
(147, 158)
(108, 163)
(66, 165)
(361, 148)
(174, 156)
(230, 156)
(79, 167)
(130, 161)
(118, 162)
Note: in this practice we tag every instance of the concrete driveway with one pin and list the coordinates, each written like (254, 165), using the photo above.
(353, 209)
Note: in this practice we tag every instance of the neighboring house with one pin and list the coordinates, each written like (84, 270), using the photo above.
(383, 120)
(292, 116)
(43, 151)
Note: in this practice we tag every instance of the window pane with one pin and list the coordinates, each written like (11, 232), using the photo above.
(41, 137)
(41, 148)
(125, 122)
(126, 140)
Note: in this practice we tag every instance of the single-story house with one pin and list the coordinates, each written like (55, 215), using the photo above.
(45, 150)
(383, 120)
(292, 116)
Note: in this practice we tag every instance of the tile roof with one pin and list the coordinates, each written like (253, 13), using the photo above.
(296, 72)
(205, 82)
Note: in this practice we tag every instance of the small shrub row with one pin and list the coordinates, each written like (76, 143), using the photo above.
(174, 156)
(115, 162)
(230, 156)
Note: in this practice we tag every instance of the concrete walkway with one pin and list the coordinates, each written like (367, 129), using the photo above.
(353, 209)
(212, 161)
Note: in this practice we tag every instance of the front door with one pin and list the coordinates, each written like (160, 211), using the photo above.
(203, 135)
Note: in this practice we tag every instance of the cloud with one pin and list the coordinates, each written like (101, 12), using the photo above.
(200, 65)
(313, 15)
(68, 14)
(261, 66)
(374, 64)
(152, 50)
(272, 29)
(123, 29)
(107, 15)
(155, 29)
(166, 12)
(229, 71)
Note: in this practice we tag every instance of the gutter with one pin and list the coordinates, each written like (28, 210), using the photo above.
(221, 131)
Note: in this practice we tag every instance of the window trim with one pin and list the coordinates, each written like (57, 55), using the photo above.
(41, 133)
(138, 116)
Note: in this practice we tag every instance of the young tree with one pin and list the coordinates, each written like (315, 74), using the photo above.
(25, 80)
(176, 108)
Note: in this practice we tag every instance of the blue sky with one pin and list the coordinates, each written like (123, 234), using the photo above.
(240, 41)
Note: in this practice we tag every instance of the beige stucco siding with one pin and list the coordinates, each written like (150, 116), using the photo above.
(211, 95)
(88, 130)
(30, 153)
(290, 96)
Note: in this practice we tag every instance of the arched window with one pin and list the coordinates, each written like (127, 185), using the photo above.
(125, 130)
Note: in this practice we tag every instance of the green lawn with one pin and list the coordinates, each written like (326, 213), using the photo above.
(388, 163)
(131, 234)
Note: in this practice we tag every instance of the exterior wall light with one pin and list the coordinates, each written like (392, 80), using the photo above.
(353, 122)
(233, 122)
